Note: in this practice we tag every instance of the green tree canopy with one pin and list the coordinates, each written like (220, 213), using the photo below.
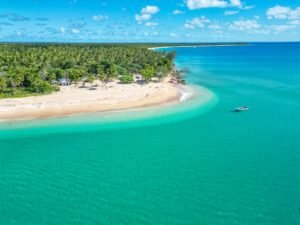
(3, 83)
(127, 79)
(148, 72)
(31, 68)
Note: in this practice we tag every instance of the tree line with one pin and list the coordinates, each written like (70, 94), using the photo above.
(27, 69)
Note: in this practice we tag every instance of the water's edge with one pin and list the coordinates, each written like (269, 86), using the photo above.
(201, 101)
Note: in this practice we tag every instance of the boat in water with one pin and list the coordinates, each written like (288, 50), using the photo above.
(241, 108)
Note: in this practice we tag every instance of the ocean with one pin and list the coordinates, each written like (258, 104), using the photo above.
(195, 163)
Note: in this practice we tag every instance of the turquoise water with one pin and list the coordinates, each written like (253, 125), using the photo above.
(195, 163)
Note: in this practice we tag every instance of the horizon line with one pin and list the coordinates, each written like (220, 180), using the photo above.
(61, 42)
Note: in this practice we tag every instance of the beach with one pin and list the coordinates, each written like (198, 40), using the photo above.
(76, 99)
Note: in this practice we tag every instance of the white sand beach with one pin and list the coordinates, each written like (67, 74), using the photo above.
(73, 99)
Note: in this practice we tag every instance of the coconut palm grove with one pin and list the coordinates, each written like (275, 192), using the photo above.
(29, 69)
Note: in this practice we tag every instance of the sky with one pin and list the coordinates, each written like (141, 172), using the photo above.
(149, 20)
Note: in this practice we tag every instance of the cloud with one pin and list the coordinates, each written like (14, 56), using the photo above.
(254, 27)
(177, 12)
(100, 17)
(146, 13)
(295, 22)
(282, 12)
(150, 9)
(198, 4)
(151, 24)
(196, 22)
(281, 28)
(244, 25)
(235, 3)
(150, 34)
(248, 7)
(230, 12)
(77, 23)
(215, 26)
(143, 17)
(75, 26)
(75, 31)
(62, 30)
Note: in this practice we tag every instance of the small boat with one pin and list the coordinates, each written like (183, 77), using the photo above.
(242, 108)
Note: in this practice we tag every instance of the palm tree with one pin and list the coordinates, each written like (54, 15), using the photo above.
(26, 63)
(3, 83)
(15, 79)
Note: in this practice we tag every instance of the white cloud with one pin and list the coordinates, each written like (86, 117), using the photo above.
(230, 12)
(177, 12)
(278, 12)
(295, 22)
(151, 24)
(75, 31)
(248, 7)
(282, 12)
(173, 35)
(281, 28)
(62, 30)
(150, 34)
(236, 3)
(196, 22)
(150, 9)
(215, 26)
(99, 17)
(143, 17)
(245, 25)
(146, 13)
(198, 4)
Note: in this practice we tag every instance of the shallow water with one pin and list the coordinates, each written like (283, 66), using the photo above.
(197, 163)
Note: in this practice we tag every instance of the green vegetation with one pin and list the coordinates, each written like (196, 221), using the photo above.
(127, 79)
(33, 69)
(148, 72)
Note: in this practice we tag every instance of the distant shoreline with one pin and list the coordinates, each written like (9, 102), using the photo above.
(196, 46)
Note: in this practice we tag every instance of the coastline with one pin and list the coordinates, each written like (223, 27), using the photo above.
(195, 46)
(73, 100)
(94, 98)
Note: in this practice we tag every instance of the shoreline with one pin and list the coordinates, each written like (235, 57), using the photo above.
(194, 46)
(73, 100)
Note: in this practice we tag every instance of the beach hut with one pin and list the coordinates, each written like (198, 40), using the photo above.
(64, 82)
